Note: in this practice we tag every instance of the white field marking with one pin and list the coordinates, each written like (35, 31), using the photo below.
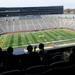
(41, 36)
(64, 40)
(31, 44)
(45, 39)
(69, 44)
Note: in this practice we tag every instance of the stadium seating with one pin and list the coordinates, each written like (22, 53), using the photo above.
(31, 23)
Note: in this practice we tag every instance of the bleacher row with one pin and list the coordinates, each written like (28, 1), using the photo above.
(44, 62)
(22, 23)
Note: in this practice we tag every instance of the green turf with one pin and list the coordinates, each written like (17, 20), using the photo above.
(23, 39)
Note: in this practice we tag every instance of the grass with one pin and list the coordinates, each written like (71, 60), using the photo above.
(22, 39)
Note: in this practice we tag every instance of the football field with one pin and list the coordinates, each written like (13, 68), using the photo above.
(22, 39)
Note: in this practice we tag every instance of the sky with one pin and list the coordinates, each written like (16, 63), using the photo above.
(32, 3)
